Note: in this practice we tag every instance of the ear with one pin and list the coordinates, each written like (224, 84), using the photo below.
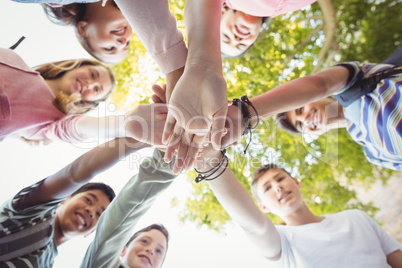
(297, 182)
(123, 252)
(82, 26)
(264, 208)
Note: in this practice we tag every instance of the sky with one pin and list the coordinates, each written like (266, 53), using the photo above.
(22, 164)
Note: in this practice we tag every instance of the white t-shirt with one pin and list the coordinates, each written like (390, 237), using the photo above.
(346, 239)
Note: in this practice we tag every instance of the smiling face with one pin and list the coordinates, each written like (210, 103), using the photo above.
(238, 31)
(92, 82)
(148, 249)
(79, 214)
(106, 31)
(279, 193)
(316, 117)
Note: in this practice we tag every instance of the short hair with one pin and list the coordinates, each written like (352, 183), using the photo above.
(283, 122)
(258, 173)
(70, 104)
(106, 189)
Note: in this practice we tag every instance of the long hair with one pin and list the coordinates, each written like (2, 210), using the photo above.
(71, 104)
(65, 15)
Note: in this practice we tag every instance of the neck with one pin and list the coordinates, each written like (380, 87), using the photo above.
(52, 85)
(58, 235)
(302, 216)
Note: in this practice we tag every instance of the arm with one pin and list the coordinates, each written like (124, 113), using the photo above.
(156, 26)
(82, 170)
(394, 259)
(240, 206)
(133, 201)
(198, 103)
(144, 123)
(301, 91)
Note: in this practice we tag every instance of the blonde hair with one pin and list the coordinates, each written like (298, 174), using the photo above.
(71, 104)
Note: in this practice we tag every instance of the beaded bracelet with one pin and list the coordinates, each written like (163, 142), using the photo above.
(207, 174)
(241, 104)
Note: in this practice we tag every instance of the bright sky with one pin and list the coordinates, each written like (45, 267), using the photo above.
(22, 165)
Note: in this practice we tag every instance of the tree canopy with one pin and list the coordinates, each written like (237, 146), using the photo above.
(290, 46)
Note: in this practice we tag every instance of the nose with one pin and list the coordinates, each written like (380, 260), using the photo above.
(278, 188)
(150, 250)
(122, 41)
(90, 212)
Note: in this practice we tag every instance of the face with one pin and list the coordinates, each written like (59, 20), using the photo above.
(279, 192)
(107, 31)
(79, 214)
(315, 117)
(238, 31)
(92, 82)
(146, 250)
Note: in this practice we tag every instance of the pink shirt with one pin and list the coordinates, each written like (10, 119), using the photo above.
(26, 104)
(267, 8)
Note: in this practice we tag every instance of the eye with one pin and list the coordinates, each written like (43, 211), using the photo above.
(159, 252)
(268, 187)
(92, 75)
(89, 202)
(145, 242)
(281, 178)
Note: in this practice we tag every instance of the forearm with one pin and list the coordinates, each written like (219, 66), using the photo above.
(301, 91)
(171, 81)
(238, 203)
(156, 26)
(133, 201)
(202, 20)
(87, 166)
(108, 127)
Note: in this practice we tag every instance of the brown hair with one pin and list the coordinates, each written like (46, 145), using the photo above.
(65, 15)
(283, 122)
(258, 173)
(71, 104)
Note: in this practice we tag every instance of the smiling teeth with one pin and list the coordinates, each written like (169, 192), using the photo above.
(81, 220)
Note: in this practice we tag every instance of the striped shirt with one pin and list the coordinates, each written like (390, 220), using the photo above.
(26, 236)
(374, 120)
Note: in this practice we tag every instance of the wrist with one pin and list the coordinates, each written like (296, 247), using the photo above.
(212, 167)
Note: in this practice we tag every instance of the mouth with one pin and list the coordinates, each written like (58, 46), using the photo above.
(242, 31)
(145, 258)
(81, 221)
(283, 196)
(79, 86)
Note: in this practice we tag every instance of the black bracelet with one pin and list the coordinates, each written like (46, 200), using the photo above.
(207, 174)
(241, 104)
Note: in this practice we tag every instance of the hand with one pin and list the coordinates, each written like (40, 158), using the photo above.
(235, 126)
(159, 95)
(198, 106)
(146, 122)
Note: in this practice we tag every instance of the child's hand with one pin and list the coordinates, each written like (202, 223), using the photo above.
(197, 106)
(146, 122)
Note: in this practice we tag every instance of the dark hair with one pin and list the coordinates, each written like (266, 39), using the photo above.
(283, 122)
(106, 189)
(258, 173)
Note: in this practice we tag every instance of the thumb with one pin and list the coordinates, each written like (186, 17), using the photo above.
(218, 127)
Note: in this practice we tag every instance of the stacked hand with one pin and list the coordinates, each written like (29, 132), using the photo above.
(197, 107)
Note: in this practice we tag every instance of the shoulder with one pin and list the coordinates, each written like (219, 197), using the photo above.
(13, 60)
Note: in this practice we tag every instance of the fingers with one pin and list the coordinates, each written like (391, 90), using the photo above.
(159, 93)
(217, 128)
(197, 144)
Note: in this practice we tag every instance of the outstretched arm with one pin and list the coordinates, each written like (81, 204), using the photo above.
(301, 91)
(82, 170)
(235, 199)
(198, 103)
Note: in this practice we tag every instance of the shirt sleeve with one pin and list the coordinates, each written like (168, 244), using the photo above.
(382, 163)
(156, 27)
(388, 244)
(63, 130)
(134, 200)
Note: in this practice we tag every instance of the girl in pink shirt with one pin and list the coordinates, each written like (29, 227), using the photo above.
(48, 103)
